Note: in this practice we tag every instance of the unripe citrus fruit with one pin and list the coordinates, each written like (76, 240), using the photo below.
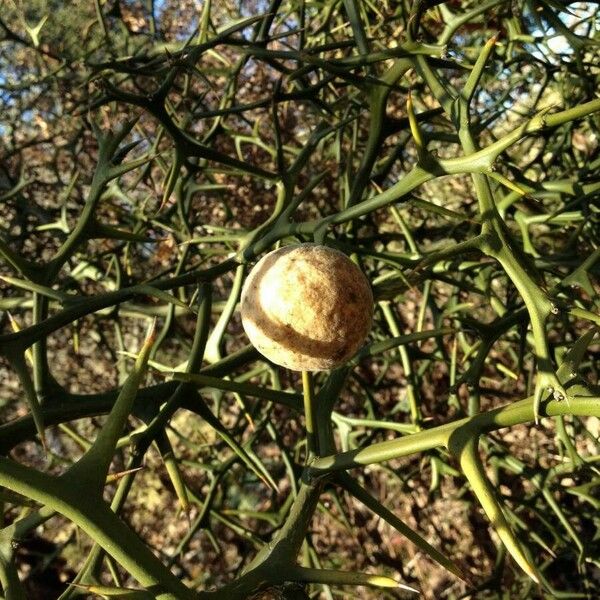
(307, 307)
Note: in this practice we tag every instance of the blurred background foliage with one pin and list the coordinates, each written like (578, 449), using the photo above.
(233, 113)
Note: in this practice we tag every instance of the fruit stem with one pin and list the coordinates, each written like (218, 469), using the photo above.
(309, 395)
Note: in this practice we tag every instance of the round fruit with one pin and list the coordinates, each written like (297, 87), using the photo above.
(307, 307)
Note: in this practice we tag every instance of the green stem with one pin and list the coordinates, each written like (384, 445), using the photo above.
(100, 523)
(309, 415)
(516, 413)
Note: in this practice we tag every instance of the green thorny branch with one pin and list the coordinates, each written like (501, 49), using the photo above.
(78, 492)
(495, 239)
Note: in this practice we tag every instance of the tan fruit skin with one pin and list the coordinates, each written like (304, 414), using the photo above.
(307, 307)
